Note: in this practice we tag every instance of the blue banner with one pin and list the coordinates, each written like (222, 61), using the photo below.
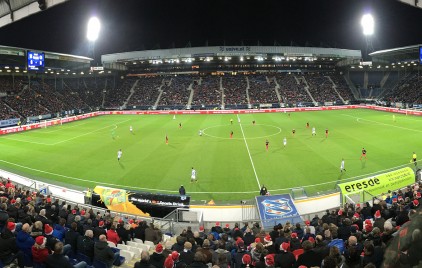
(9, 122)
(277, 209)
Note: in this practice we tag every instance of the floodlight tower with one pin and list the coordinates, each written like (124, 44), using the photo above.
(367, 23)
(92, 33)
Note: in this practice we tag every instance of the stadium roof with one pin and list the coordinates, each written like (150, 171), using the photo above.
(229, 51)
(393, 55)
(13, 10)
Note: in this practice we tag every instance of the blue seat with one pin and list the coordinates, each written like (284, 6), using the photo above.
(99, 264)
(82, 257)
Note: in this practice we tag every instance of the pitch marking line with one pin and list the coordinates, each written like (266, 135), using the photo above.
(380, 123)
(59, 142)
(217, 137)
(249, 153)
(171, 191)
(64, 128)
(90, 132)
(117, 185)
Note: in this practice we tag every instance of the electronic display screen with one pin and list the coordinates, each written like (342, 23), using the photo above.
(36, 60)
(420, 55)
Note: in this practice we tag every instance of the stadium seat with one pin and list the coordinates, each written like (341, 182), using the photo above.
(135, 250)
(138, 240)
(144, 247)
(133, 244)
(150, 243)
(99, 264)
(82, 257)
(111, 244)
(121, 246)
(127, 254)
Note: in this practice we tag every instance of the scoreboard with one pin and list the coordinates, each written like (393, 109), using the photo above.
(420, 55)
(36, 61)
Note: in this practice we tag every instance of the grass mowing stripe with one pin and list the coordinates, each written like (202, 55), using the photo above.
(249, 153)
(390, 125)
(90, 132)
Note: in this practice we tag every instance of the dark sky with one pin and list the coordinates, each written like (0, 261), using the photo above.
(129, 25)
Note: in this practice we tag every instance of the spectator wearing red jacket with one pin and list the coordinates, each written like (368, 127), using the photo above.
(39, 251)
(112, 235)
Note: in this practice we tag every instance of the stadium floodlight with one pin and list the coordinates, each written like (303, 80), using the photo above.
(367, 23)
(93, 30)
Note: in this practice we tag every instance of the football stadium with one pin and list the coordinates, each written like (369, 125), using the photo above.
(116, 152)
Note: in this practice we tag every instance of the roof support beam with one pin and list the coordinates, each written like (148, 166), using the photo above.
(10, 9)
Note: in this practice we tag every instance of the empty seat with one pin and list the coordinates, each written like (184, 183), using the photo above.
(149, 243)
(111, 244)
(127, 254)
(144, 247)
(133, 244)
(138, 240)
(136, 251)
(121, 246)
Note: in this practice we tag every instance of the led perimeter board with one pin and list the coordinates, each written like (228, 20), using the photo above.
(35, 60)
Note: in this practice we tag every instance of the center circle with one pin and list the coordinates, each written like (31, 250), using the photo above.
(273, 130)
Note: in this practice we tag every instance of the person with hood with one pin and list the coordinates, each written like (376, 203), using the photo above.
(85, 244)
(220, 251)
(8, 249)
(24, 242)
(103, 252)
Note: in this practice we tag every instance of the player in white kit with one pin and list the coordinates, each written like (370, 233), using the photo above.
(193, 175)
(284, 141)
(119, 154)
(342, 166)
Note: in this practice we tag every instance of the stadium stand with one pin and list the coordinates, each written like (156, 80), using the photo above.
(260, 91)
(146, 92)
(235, 90)
(116, 97)
(208, 93)
(385, 233)
(291, 89)
(407, 90)
(175, 91)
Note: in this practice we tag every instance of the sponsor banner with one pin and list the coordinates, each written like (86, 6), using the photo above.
(277, 209)
(9, 122)
(379, 184)
(39, 117)
(8, 130)
(393, 110)
(138, 203)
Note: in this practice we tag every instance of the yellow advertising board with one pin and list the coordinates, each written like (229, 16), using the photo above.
(117, 200)
(379, 184)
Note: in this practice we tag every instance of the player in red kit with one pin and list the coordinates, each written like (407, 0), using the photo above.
(231, 135)
(326, 132)
(267, 143)
(167, 139)
(307, 124)
(363, 154)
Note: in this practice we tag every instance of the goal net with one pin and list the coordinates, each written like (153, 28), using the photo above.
(358, 198)
(50, 123)
(298, 193)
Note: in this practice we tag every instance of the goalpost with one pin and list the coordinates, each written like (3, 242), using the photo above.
(50, 123)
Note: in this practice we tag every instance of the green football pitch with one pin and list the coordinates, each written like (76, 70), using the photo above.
(84, 153)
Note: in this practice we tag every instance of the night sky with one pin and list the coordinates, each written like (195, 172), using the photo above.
(129, 25)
